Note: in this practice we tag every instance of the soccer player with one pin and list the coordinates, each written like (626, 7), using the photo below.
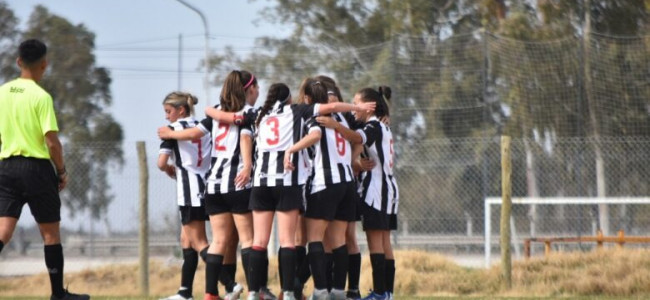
(331, 202)
(228, 180)
(279, 175)
(191, 161)
(379, 192)
(32, 170)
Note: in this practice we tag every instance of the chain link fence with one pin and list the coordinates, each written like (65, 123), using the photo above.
(452, 99)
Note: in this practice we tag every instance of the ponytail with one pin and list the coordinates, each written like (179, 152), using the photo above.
(233, 92)
(277, 92)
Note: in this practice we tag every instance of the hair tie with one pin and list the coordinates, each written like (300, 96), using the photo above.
(250, 81)
(285, 99)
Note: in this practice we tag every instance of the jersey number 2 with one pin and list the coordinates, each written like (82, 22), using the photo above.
(219, 139)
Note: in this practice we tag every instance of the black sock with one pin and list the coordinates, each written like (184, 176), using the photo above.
(354, 271)
(190, 261)
(257, 263)
(390, 275)
(378, 262)
(204, 253)
(2, 244)
(245, 254)
(54, 264)
(227, 276)
(280, 267)
(265, 271)
(213, 264)
(303, 273)
(287, 260)
(316, 256)
(329, 264)
(340, 268)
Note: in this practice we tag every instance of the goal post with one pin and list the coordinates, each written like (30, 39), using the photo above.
(490, 201)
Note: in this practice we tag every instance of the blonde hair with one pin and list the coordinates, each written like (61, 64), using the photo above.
(182, 99)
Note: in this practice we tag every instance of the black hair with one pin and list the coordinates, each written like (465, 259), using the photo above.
(331, 86)
(277, 92)
(31, 51)
(379, 97)
(316, 90)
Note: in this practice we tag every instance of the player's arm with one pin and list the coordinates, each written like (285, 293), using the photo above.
(307, 141)
(325, 109)
(246, 147)
(56, 155)
(238, 118)
(347, 133)
(170, 170)
(167, 133)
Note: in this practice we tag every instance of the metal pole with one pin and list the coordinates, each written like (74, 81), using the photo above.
(206, 78)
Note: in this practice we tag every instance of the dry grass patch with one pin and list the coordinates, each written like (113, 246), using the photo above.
(616, 273)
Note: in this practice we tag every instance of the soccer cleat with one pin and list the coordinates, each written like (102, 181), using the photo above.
(375, 296)
(176, 297)
(70, 296)
(389, 296)
(209, 296)
(337, 294)
(236, 291)
(254, 296)
(288, 295)
(319, 295)
(352, 295)
(265, 294)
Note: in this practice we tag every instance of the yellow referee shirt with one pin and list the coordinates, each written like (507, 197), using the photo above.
(26, 115)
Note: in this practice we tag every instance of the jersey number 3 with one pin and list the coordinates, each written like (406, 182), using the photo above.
(274, 123)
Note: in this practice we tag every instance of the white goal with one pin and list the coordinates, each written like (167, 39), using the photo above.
(490, 201)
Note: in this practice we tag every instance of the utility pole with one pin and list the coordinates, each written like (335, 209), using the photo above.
(206, 78)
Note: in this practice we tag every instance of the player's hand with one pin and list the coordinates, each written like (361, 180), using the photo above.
(385, 120)
(288, 165)
(243, 178)
(63, 180)
(328, 122)
(366, 164)
(171, 171)
(164, 132)
(366, 106)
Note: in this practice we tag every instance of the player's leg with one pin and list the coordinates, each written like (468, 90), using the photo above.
(335, 239)
(377, 260)
(390, 263)
(287, 222)
(244, 225)
(222, 228)
(354, 261)
(7, 228)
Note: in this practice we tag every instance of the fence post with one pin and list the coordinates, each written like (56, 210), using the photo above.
(144, 219)
(506, 188)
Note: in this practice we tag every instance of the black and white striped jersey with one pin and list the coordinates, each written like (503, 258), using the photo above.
(332, 156)
(192, 161)
(226, 153)
(378, 187)
(279, 129)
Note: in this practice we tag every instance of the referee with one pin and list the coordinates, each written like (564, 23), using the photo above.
(30, 147)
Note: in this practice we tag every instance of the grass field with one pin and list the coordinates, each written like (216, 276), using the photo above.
(603, 274)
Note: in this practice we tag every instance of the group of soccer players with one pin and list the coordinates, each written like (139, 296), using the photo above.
(316, 162)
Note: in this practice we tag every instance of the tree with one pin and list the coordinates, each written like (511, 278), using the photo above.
(81, 92)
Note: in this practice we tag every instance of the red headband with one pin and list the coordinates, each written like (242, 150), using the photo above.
(249, 82)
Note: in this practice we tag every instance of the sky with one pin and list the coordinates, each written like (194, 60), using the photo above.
(138, 41)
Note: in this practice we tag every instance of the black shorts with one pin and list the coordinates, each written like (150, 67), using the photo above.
(234, 202)
(276, 198)
(373, 219)
(335, 202)
(32, 181)
(192, 213)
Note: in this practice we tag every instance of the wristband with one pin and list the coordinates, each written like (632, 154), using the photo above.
(61, 172)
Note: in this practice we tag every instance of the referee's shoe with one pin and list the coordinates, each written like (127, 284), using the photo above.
(70, 296)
